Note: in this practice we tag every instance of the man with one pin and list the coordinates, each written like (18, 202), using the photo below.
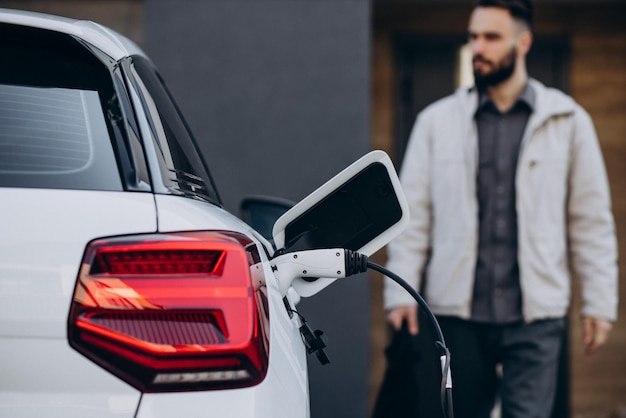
(509, 202)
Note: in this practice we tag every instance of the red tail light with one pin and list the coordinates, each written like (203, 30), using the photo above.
(173, 312)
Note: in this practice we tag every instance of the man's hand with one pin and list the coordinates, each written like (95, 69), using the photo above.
(595, 333)
(397, 315)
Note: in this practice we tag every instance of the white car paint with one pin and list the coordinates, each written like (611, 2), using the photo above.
(285, 389)
(43, 234)
(43, 375)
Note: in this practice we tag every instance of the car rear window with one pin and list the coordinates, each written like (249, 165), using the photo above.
(51, 137)
(56, 105)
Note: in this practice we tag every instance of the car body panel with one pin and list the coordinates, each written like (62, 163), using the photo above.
(243, 403)
(49, 231)
(44, 377)
(284, 391)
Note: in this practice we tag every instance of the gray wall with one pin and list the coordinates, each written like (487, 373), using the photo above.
(277, 94)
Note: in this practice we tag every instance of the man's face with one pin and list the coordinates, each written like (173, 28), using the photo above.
(494, 37)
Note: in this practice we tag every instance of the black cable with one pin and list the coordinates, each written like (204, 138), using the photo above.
(446, 389)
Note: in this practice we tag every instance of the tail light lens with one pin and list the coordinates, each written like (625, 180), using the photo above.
(173, 312)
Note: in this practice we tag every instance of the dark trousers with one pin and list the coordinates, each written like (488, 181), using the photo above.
(527, 353)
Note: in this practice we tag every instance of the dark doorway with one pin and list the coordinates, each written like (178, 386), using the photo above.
(426, 70)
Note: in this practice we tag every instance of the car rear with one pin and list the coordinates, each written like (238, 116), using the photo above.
(125, 290)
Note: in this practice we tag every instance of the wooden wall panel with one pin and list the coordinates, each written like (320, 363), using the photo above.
(599, 84)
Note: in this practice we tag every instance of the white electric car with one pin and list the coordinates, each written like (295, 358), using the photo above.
(126, 290)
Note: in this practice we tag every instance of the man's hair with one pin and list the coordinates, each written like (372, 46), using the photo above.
(522, 10)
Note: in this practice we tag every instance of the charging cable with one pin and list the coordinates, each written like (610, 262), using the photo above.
(338, 263)
(440, 343)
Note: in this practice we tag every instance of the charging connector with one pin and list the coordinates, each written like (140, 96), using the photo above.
(310, 265)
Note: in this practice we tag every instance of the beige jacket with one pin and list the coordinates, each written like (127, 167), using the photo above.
(565, 224)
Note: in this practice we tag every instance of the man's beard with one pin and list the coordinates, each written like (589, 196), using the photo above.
(502, 71)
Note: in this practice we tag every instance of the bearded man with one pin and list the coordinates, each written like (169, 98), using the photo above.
(509, 201)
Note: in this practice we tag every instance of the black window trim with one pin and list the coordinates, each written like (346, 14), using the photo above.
(129, 163)
(137, 89)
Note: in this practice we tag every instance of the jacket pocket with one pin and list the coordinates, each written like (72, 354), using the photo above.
(542, 185)
(450, 277)
(545, 276)
(453, 193)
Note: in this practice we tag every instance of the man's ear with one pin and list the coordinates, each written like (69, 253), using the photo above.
(525, 41)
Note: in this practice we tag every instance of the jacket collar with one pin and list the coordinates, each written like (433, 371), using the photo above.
(527, 97)
(549, 102)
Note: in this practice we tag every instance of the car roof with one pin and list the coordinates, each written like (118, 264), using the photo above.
(110, 42)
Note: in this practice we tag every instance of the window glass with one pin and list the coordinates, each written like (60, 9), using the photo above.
(58, 109)
(52, 137)
(182, 168)
(43, 130)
